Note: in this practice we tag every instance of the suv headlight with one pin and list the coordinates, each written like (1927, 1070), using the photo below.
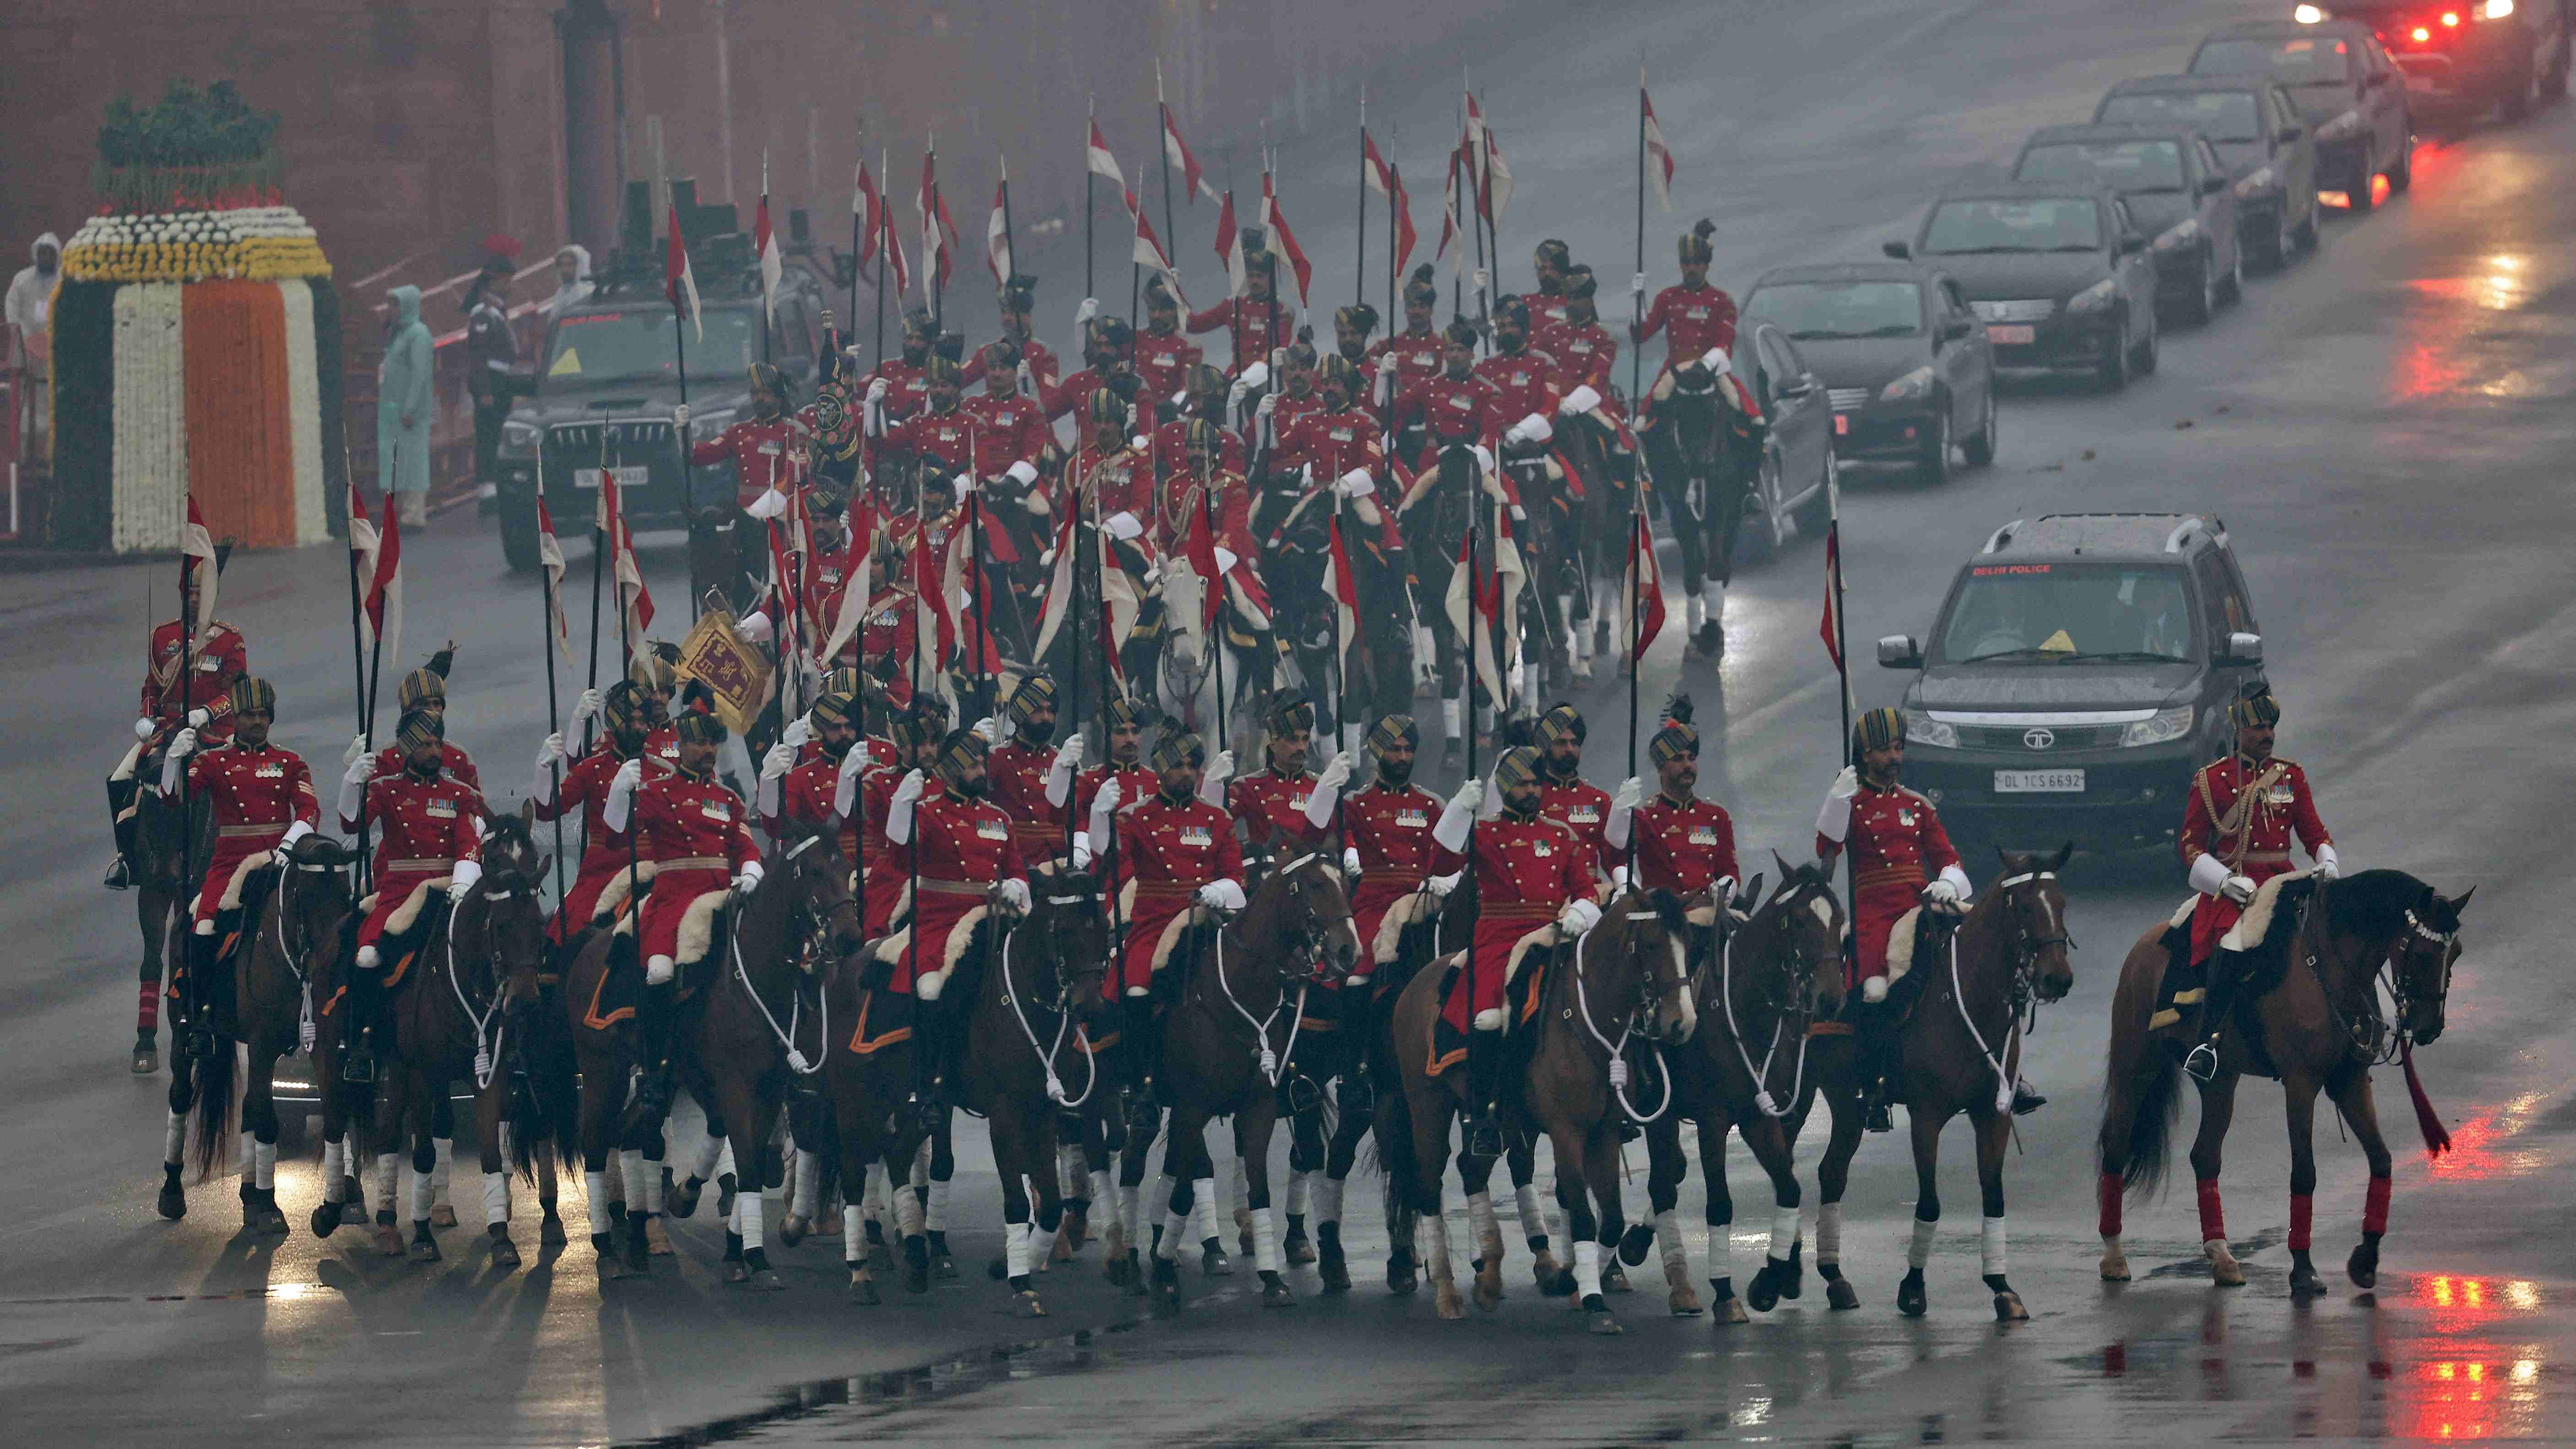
(1922, 729)
(2165, 724)
(1913, 384)
(519, 437)
(2341, 127)
(2496, 9)
(2256, 182)
(2096, 297)
(2181, 234)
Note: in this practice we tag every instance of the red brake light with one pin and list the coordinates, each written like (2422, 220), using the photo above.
(2422, 34)
(2450, 17)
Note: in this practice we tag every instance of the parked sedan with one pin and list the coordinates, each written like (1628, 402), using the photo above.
(1903, 358)
(2177, 191)
(2256, 130)
(2464, 57)
(2058, 272)
(2349, 92)
(1792, 493)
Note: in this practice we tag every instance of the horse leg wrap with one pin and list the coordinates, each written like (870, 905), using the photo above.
(1484, 1227)
(1578, 643)
(1017, 1248)
(1533, 1216)
(1203, 1209)
(174, 1137)
(442, 1166)
(1919, 1252)
(2303, 1213)
(335, 1184)
(2106, 1192)
(496, 1199)
(147, 1009)
(388, 1178)
(1721, 1250)
(1328, 1201)
(594, 1191)
(424, 1194)
(1587, 1270)
(630, 1163)
(907, 1215)
(1676, 1252)
(651, 1201)
(1431, 1245)
(263, 1165)
(710, 1151)
(809, 1184)
(1829, 1233)
(1266, 1257)
(1070, 1174)
(920, 1178)
(1990, 1246)
(935, 1211)
(2213, 1222)
(1167, 1245)
(1450, 715)
(751, 1205)
(2374, 1207)
(1784, 1233)
(854, 1247)
(1103, 1191)
(1131, 1213)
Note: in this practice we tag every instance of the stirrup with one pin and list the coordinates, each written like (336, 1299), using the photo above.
(1877, 1115)
(120, 875)
(2026, 1099)
(1358, 1094)
(928, 1111)
(1304, 1095)
(199, 1044)
(1482, 1137)
(359, 1067)
(2202, 1062)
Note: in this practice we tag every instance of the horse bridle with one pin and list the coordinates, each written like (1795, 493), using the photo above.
(289, 906)
(1302, 945)
(2401, 997)
(2028, 945)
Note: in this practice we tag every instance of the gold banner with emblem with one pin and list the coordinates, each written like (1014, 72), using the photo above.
(732, 670)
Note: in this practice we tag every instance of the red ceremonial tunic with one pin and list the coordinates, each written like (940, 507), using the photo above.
(1123, 479)
(1525, 382)
(1526, 871)
(1694, 319)
(1074, 396)
(765, 453)
(1681, 847)
(1546, 309)
(805, 797)
(1135, 783)
(1043, 368)
(1456, 410)
(1164, 360)
(2258, 848)
(1417, 359)
(1019, 775)
(221, 657)
(1013, 430)
(1897, 846)
(1584, 808)
(1169, 851)
(1172, 451)
(254, 796)
(1248, 322)
(603, 851)
(1272, 807)
(423, 827)
(1583, 358)
(889, 866)
(1178, 521)
(949, 437)
(907, 388)
(1391, 831)
(697, 835)
(966, 846)
(389, 761)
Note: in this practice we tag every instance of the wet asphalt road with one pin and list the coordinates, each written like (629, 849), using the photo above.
(2385, 430)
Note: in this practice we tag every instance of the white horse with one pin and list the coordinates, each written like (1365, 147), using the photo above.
(1188, 676)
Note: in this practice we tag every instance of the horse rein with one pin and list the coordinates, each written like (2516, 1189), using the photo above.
(1618, 1050)
(1799, 964)
(816, 923)
(2028, 945)
(1305, 938)
(1062, 1007)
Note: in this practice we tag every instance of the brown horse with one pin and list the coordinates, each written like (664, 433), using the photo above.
(1623, 976)
(1759, 992)
(868, 1076)
(1229, 1040)
(160, 842)
(470, 989)
(2322, 948)
(1032, 1010)
(1961, 1052)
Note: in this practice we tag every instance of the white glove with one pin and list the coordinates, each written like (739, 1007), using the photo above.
(747, 879)
(197, 719)
(1123, 526)
(755, 627)
(1222, 895)
(1386, 364)
(1082, 850)
(1153, 575)
(2209, 875)
(1336, 774)
(1623, 808)
(1618, 879)
(1355, 484)
(1015, 894)
(1582, 400)
(1941, 892)
(621, 795)
(1219, 770)
(1519, 515)
(799, 731)
(989, 730)
(1482, 277)
(1068, 756)
(460, 880)
(1833, 819)
(1351, 861)
(775, 764)
(907, 792)
(1716, 361)
(1846, 785)
(1024, 381)
(1957, 880)
(1484, 456)
(1637, 285)
(1632, 793)
(770, 504)
(359, 772)
(1327, 791)
(549, 750)
(1441, 885)
(1022, 472)
(1106, 799)
(2239, 889)
(1061, 770)
(144, 727)
(2329, 864)
(585, 707)
(909, 788)
(1578, 917)
(1255, 376)
(964, 483)
(1537, 429)
(1513, 435)
(1269, 404)
(1451, 832)
(877, 390)
(1089, 309)
(845, 788)
(680, 417)
(294, 833)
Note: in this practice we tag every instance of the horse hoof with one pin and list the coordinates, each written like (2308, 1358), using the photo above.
(863, 1290)
(1684, 1301)
(1114, 1267)
(1026, 1305)
(424, 1248)
(1635, 1243)
(681, 1201)
(1841, 1296)
(441, 1215)
(550, 1233)
(1762, 1294)
(1731, 1310)
(173, 1202)
(2363, 1267)
(2224, 1270)
(725, 1188)
(1553, 1280)
(943, 1266)
(1062, 1251)
(1243, 1243)
(326, 1219)
(611, 1266)
(1613, 1280)
(1167, 1277)
(1910, 1297)
(2115, 1267)
(1298, 1250)
(793, 1228)
(1213, 1263)
(2008, 1308)
(916, 1266)
(353, 1212)
(881, 1257)
(1332, 1271)
(2304, 1282)
(1403, 1277)
(766, 1280)
(1274, 1292)
(1599, 1321)
(737, 1271)
(147, 1060)
(505, 1254)
(656, 1241)
(388, 1241)
(1489, 1285)
(1445, 1298)
(273, 1223)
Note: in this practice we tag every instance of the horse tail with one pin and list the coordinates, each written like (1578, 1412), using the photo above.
(218, 1111)
(2157, 1106)
(1392, 1143)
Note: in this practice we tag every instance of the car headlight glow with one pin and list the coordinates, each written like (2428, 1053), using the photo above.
(2257, 181)
(2180, 234)
(520, 437)
(1922, 729)
(2096, 297)
(2347, 124)
(1913, 384)
(2165, 724)
(2311, 15)
(2497, 9)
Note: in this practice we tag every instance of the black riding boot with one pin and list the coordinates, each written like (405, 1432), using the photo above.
(1482, 1133)
(1359, 1025)
(1139, 1036)
(120, 799)
(1320, 1055)
(196, 1036)
(357, 1022)
(1876, 1043)
(929, 1062)
(2202, 1063)
(652, 1100)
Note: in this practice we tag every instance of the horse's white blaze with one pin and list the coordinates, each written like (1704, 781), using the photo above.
(1587, 1270)
(496, 1199)
(1266, 1256)
(1829, 1233)
(1990, 1246)
(1784, 1232)
(1823, 906)
(1919, 1252)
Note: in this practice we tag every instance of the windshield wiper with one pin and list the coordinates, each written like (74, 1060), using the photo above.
(1981, 251)
(2033, 652)
(2132, 656)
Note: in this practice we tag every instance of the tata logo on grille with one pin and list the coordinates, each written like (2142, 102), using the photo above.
(2040, 738)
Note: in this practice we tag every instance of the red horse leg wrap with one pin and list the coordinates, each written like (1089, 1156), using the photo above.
(147, 1015)
(2108, 1191)
(2374, 1208)
(2303, 1211)
(2213, 1223)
